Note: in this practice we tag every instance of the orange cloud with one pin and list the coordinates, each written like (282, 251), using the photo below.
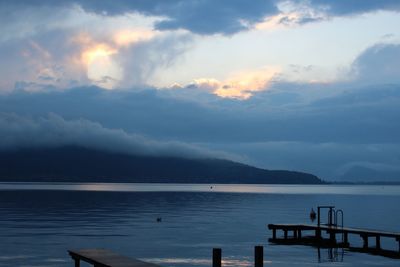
(241, 85)
(129, 37)
(99, 59)
(96, 51)
(275, 22)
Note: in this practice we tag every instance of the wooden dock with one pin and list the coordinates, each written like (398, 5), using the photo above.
(294, 234)
(106, 258)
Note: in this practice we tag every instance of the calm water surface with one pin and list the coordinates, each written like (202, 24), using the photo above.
(39, 222)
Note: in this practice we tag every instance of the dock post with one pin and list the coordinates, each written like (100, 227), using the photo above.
(332, 237)
(378, 242)
(346, 238)
(285, 233)
(258, 256)
(295, 233)
(365, 238)
(318, 233)
(274, 234)
(398, 240)
(299, 234)
(217, 255)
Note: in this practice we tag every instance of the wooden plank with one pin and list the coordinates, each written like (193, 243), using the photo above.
(107, 258)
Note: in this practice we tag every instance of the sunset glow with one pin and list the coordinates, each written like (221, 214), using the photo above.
(129, 37)
(102, 68)
(240, 85)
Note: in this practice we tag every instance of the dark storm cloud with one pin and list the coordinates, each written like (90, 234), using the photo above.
(206, 16)
(201, 16)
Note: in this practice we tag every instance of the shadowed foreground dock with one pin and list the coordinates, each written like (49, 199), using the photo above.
(106, 258)
(298, 237)
(332, 229)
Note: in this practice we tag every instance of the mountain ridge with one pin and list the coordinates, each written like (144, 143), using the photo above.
(79, 164)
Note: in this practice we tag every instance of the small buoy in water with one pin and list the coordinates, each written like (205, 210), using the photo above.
(313, 215)
(159, 219)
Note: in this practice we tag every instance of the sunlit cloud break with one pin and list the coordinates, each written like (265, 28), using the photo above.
(100, 57)
(241, 85)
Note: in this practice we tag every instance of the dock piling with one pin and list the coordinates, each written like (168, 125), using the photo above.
(346, 238)
(332, 237)
(217, 257)
(77, 262)
(258, 256)
(378, 242)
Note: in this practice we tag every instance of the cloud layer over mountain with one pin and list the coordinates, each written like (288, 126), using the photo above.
(53, 131)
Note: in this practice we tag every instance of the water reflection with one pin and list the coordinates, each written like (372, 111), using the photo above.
(221, 188)
(330, 254)
(38, 226)
(245, 262)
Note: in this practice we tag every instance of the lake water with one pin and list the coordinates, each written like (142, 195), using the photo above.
(39, 222)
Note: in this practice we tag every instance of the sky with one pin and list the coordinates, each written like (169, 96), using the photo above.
(307, 85)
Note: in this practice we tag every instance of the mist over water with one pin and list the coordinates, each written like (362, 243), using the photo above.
(38, 226)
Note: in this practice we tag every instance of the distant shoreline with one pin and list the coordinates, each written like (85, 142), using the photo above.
(366, 183)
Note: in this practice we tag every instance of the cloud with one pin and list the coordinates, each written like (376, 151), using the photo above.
(69, 57)
(331, 161)
(210, 17)
(142, 60)
(54, 131)
(313, 128)
(297, 12)
(202, 17)
(239, 85)
(379, 63)
(350, 7)
(206, 16)
(361, 115)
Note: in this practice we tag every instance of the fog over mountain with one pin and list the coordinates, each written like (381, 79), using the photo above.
(295, 135)
(53, 131)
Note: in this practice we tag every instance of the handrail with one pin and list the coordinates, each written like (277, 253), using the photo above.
(339, 211)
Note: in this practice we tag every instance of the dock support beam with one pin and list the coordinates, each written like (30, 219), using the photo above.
(217, 257)
(258, 256)
(274, 234)
(285, 233)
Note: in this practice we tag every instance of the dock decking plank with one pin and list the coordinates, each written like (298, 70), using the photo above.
(107, 258)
